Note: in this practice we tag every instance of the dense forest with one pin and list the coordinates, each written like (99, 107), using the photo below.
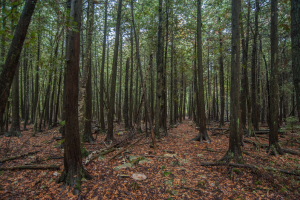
(142, 99)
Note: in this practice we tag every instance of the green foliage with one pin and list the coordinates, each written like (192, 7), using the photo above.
(291, 122)
(258, 182)
(237, 171)
(166, 174)
(135, 186)
(62, 123)
(84, 152)
(201, 184)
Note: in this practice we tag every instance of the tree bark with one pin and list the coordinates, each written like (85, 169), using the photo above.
(222, 88)
(253, 72)
(87, 81)
(125, 106)
(12, 59)
(110, 118)
(102, 72)
(159, 61)
(73, 170)
(295, 35)
(234, 151)
(201, 104)
(274, 147)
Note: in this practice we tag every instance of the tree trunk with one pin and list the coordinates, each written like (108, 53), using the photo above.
(120, 79)
(295, 35)
(222, 88)
(73, 170)
(201, 104)
(245, 103)
(86, 82)
(12, 59)
(15, 125)
(159, 61)
(110, 118)
(234, 151)
(102, 72)
(125, 106)
(253, 72)
(274, 147)
(131, 78)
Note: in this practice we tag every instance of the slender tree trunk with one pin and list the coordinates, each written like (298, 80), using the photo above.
(234, 151)
(222, 89)
(120, 79)
(125, 106)
(201, 104)
(73, 170)
(102, 72)
(253, 72)
(244, 81)
(12, 59)
(85, 116)
(131, 78)
(159, 61)
(110, 118)
(295, 35)
(15, 125)
(274, 147)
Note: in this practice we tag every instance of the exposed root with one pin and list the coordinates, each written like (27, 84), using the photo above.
(202, 137)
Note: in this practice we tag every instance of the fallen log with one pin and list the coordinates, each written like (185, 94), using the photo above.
(252, 167)
(18, 156)
(124, 149)
(89, 159)
(256, 144)
(35, 167)
(291, 151)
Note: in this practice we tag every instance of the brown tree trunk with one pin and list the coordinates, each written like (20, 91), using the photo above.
(110, 118)
(159, 61)
(222, 88)
(274, 147)
(87, 119)
(73, 170)
(201, 104)
(102, 72)
(125, 106)
(253, 72)
(295, 35)
(12, 59)
(234, 151)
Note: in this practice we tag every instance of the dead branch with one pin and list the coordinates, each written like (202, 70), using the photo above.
(35, 167)
(291, 151)
(188, 188)
(18, 156)
(252, 167)
(124, 149)
(88, 160)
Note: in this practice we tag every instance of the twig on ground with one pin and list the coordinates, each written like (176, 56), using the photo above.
(42, 167)
(18, 156)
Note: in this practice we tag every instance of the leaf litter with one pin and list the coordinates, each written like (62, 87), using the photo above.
(173, 172)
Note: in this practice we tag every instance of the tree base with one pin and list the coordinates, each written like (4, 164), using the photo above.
(109, 138)
(89, 138)
(13, 134)
(202, 136)
(236, 155)
(275, 150)
(73, 178)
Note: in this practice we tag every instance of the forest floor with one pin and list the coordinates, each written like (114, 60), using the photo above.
(173, 172)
